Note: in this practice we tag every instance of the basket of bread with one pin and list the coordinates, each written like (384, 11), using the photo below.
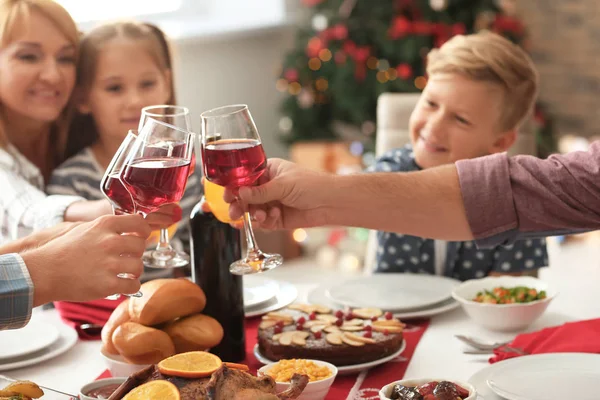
(165, 321)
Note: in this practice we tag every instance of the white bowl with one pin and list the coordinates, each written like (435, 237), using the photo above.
(316, 390)
(96, 385)
(386, 391)
(118, 367)
(502, 317)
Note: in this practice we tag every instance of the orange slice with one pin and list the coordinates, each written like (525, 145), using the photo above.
(154, 390)
(193, 364)
(242, 367)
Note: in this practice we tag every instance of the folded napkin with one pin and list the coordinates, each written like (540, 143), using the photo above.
(572, 337)
(90, 312)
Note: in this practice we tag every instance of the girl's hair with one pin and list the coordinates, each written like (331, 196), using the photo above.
(14, 13)
(83, 131)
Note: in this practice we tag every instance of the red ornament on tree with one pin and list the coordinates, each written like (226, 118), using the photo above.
(339, 31)
(400, 27)
(459, 29)
(311, 3)
(422, 27)
(291, 75)
(361, 54)
(360, 73)
(404, 71)
(313, 47)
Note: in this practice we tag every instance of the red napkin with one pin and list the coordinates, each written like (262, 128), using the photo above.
(572, 337)
(91, 312)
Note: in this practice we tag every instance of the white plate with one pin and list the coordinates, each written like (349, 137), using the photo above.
(285, 296)
(317, 296)
(258, 290)
(35, 336)
(346, 369)
(548, 376)
(393, 292)
(558, 363)
(67, 339)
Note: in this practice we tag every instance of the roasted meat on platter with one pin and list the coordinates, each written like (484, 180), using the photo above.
(224, 384)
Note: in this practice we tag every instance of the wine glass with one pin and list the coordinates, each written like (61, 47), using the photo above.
(177, 116)
(155, 173)
(118, 196)
(233, 156)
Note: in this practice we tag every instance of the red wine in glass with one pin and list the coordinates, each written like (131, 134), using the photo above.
(118, 195)
(177, 149)
(234, 162)
(154, 182)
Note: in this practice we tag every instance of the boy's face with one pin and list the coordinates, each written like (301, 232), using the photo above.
(457, 118)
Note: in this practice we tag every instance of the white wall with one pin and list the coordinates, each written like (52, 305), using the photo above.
(211, 72)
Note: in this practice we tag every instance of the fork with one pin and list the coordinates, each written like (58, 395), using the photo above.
(505, 348)
(479, 344)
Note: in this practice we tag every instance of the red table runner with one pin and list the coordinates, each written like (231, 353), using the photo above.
(362, 386)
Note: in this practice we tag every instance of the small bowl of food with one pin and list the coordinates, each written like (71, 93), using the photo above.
(435, 389)
(321, 375)
(100, 389)
(118, 367)
(504, 303)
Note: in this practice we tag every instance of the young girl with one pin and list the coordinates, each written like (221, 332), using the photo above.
(123, 67)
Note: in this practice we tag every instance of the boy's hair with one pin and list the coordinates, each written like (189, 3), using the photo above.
(17, 13)
(83, 132)
(488, 57)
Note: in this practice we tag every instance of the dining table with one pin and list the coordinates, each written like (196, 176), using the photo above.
(438, 353)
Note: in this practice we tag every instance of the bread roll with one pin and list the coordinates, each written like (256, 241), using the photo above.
(118, 316)
(196, 332)
(139, 344)
(165, 300)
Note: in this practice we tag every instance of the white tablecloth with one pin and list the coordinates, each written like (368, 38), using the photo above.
(438, 354)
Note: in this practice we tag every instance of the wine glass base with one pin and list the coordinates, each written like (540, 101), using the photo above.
(170, 259)
(256, 263)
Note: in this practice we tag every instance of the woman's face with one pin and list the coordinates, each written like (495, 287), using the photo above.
(37, 71)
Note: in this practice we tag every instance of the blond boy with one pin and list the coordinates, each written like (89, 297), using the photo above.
(480, 89)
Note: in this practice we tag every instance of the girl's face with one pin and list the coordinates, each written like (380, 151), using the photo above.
(37, 71)
(127, 80)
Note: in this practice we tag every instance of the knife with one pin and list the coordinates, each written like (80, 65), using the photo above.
(6, 378)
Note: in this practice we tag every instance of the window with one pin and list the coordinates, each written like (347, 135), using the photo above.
(183, 18)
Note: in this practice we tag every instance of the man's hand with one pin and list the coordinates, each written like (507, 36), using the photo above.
(288, 196)
(84, 262)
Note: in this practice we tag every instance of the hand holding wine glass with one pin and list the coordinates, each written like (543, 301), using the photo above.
(233, 157)
(156, 172)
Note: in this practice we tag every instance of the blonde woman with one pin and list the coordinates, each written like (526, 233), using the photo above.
(38, 54)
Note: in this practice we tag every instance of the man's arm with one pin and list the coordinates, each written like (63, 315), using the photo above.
(425, 203)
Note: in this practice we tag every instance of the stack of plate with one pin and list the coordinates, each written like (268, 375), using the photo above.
(262, 295)
(405, 295)
(36, 342)
(541, 377)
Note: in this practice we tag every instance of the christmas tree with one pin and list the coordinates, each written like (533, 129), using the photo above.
(354, 50)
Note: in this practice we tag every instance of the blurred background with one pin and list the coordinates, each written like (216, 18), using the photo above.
(312, 72)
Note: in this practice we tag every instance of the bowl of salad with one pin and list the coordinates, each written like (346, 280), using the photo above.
(504, 303)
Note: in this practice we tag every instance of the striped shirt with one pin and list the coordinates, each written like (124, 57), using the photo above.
(24, 207)
(16, 292)
(81, 175)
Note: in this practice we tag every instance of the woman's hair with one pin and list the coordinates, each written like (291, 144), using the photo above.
(83, 131)
(14, 13)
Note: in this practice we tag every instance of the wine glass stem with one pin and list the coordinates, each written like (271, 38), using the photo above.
(163, 243)
(252, 248)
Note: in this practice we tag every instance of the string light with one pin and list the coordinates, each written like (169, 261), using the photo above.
(314, 64)
(300, 235)
(372, 62)
(294, 88)
(392, 74)
(383, 65)
(281, 85)
(321, 84)
(325, 55)
(382, 76)
(420, 82)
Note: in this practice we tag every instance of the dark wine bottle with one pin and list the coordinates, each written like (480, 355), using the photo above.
(214, 245)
